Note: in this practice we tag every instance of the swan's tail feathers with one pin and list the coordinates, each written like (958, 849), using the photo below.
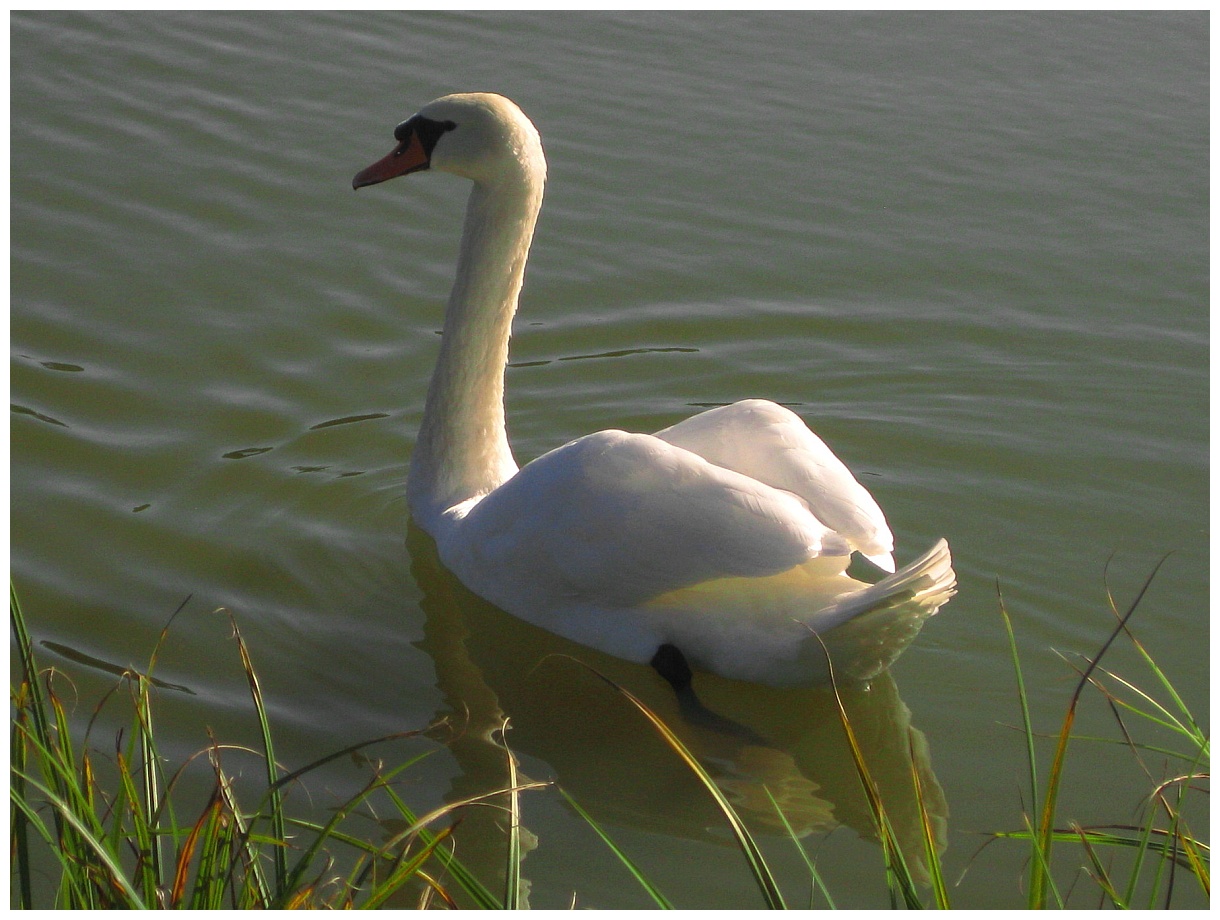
(866, 630)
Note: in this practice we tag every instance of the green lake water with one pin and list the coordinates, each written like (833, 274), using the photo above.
(971, 251)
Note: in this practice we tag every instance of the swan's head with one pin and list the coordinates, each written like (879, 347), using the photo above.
(480, 136)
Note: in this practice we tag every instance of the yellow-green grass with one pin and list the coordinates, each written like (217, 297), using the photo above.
(119, 842)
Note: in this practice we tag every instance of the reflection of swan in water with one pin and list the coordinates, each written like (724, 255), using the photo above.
(601, 750)
(726, 536)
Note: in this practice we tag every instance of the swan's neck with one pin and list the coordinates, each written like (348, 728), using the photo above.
(462, 452)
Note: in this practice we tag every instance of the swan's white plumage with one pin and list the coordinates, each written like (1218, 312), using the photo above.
(727, 534)
(627, 517)
(771, 444)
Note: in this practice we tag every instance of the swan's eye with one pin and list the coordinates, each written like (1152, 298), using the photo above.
(427, 130)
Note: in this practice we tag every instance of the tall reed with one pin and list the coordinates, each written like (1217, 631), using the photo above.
(1159, 848)
(110, 827)
(119, 843)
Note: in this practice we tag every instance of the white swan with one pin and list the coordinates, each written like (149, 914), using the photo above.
(725, 536)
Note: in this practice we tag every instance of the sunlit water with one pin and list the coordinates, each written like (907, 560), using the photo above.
(970, 251)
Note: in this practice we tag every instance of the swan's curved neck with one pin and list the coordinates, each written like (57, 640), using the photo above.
(462, 452)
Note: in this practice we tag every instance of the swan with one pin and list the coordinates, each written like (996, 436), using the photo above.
(722, 541)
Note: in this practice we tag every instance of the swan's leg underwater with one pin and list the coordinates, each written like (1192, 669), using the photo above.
(671, 664)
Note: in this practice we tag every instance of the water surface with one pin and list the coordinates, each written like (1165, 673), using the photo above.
(969, 250)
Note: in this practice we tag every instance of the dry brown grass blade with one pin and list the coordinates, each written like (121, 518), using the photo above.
(182, 868)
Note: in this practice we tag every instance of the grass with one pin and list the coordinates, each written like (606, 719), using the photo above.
(1158, 850)
(1162, 843)
(110, 825)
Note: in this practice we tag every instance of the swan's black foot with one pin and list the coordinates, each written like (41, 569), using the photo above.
(671, 664)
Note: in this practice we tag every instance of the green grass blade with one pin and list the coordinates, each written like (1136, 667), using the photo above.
(329, 831)
(51, 749)
(294, 775)
(70, 812)
(1194, 729)
(254, 882)
(1099, 871)
(749, 847)
(1031, 758)
(1039, 854)
(1038, 883)
(72, 888)
(155, 869)
(475, 889)
(209, 845)
(898, 873)
(419, 828)
(512, 872)
(211, 872)
(29, 669)
(295, 875)
(1188, 729)
(652, 891)
(123, 847)
(932, 856)
(276, 810)
(403, 873)
(1198, 865)
(19, 832)
(91, 846)
(141, 835)
(1040, 867)
(1159, 840)
(816, 882)
(28, 705)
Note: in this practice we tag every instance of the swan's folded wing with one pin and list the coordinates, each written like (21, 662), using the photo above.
(772, 444)
(618, 518)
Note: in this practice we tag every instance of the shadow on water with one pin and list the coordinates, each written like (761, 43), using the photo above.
(491, 666)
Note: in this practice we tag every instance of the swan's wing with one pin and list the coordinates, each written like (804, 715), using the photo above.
(617, 518)
(771, 444)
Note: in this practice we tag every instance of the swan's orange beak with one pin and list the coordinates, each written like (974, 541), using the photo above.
(407, 157)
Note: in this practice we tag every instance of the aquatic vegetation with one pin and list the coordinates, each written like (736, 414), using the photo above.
(110, 826)
(1160, 844)
(1157, 850)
